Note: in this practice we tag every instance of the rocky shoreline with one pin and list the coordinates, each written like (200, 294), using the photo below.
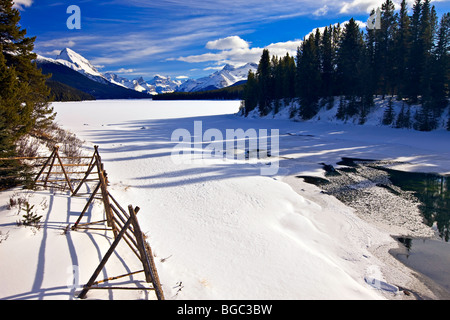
(365, 186)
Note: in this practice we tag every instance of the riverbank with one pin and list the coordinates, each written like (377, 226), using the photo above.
(407, 205)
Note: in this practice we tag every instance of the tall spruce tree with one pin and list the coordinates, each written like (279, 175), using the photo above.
(23, 94)
(288, 76)
(402, 46)
(250, 93)
(389, 27)
(13, 114)
(265, 83)
(383, 66)
(428, 25)
(440, 69)
(17, 49)
(388, 115)
(415, 56)
(309, 77)
(351, 67)
(327, 65)
(11, 121)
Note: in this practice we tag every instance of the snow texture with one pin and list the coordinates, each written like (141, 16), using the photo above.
(217, 230)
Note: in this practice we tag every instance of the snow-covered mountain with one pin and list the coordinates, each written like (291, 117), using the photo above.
(137, 84)
(80, 74)
(159, 84)
(120, 81)
(163, 84)
(226, 77)
(77, 62)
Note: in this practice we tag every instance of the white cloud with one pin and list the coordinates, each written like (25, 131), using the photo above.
(214, 68)
(361, 24)
(257, 11)
(321, 11)
(232, 42)
(241, 53)
(52, 53)
(123, 70)
(19, 4)
(58, 43)
(360, 6)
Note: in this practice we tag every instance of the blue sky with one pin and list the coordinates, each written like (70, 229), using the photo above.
(183, 38)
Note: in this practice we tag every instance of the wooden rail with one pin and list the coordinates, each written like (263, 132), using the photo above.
(123, 224)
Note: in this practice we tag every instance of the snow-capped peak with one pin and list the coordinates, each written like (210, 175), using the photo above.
(226, 77)
(78, 63)
(228, 67)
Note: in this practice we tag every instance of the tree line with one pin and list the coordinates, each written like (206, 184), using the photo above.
(407, 58)
(234, 92)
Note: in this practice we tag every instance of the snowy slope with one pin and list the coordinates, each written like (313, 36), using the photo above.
(218, 230)
(374, 118)
(226, 77)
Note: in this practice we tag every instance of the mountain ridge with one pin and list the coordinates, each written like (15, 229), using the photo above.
(66, 75)
(228, 76)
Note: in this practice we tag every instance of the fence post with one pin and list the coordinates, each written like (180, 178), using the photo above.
(105, 259)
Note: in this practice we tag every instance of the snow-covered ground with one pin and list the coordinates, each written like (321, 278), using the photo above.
(218, 229)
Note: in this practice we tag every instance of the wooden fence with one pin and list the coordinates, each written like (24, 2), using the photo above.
(55, 173)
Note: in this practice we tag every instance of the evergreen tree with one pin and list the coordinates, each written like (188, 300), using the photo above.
(11, 121)
(264, 78)
(407, 123)
(404, 118)
(276, 80)
(425, 119)
(371, 51)
(309, 77)
(15, 115)
(23, 93)
(384, 49)
(288, 76)
(399, 123)
(407, 57)
(427, 40)
(402, 46)
(18, 53)
(327, 63)
(388, 116)
(440, 69)
(351, 67)
(250, 93)
(349, 58)
(415, 57)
